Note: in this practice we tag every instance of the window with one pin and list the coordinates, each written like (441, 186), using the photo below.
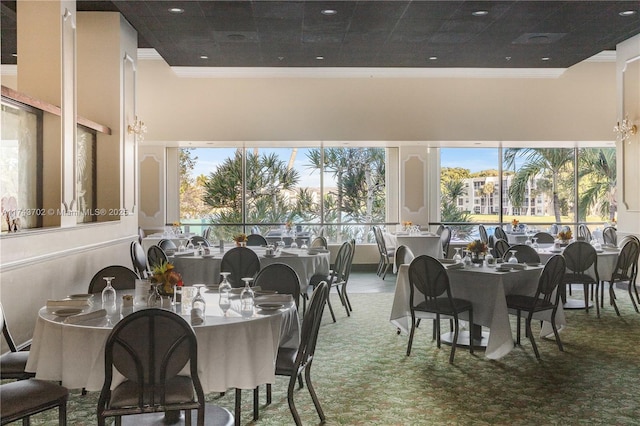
(336, 191)
(21, 166)
(537, 186)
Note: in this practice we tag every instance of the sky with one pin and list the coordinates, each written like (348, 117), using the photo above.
(474, 159)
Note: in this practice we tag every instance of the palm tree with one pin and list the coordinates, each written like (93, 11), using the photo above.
(598, 174)
(538, 161)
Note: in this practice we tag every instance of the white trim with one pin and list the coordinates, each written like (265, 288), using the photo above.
(149, 54)
(64, 254)
(329, 72)
(604, 56)
(9, 69)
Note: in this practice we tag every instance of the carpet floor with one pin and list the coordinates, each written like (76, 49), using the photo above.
(363, 376)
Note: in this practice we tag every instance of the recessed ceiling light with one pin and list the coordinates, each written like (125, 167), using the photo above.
(15, 55)
(627, 13)
(545, 58)
(329, 12)
(176, 10)
(433, 58)
(480, 13)
(320, 58)
(204, 57)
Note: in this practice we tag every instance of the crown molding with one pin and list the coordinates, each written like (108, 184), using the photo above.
(604, 56)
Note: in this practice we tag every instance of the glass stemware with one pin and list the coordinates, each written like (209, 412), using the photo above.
(155, 298)
(247, 298)
(513, 258)
(109, 297)
(190, 245)
(489, 259)
(198, 300)
(182, 246)
(535, 244)
(200, 248)
(224, 291)
(467, 258)
(304, 244)
(457, 256)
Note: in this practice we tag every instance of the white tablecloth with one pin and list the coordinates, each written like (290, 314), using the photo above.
(233, 352)
(206, 270)
(419, 244)
(154, 239)
(486, 289)
(606, 262)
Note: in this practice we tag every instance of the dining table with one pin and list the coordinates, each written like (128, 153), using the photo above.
(205, 269)
(486, 288)
(234, 351)
(155, 238)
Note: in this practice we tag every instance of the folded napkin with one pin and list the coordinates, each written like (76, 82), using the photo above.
(197, 316)
(184, 253)
(75, 303)
(287, 254)
(316, 250)
(75, 319)
(275, 298)
(458, 265)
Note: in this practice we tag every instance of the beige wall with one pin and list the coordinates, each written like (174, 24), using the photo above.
(579, 105)
(37, 265)
(628, 153)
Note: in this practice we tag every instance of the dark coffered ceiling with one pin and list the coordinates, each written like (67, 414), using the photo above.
(493, 34)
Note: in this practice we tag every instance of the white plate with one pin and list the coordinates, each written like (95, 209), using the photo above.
(269, 255)
(66, 312)
(269, 306)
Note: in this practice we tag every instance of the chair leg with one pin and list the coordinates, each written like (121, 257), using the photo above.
(555, 331)
(256, 403)
(413, 329)
(384, 272)
(518, 327)
(342, 293)
(455, 341)
(237, 410)
(346, 297)
(187, 417)
(25, 421)
(292, 405)
(471, 331)
(612, 297)
(312, 392)
(635, 305)
(533, 341)
(62, 412)
(268, 393)
(331, 309)
(438, 332)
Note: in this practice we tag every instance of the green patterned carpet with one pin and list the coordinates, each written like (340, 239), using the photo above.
(363, 376)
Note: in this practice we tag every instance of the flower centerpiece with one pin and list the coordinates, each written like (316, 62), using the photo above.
(165, 274)
(477, 249)
(289, 225)
(240, 239)
(565, 236)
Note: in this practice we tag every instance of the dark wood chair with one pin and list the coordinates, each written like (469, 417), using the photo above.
(610, 236)
(139, 260)
(167, 245)
(256, 240)
(546, 298)
(240, 262)
(544, 238)
(385, 253)
(150, 348)
(156, 257)
(582, 268)
(124, 279)
(338, 276)
(500, 248)
(445, 241)
(429, 278)
(294, 362)
(626, 271)
(524, 253)
(12, 363)
(280, 278)
(484, 237)
(22, 399)
(499, 233)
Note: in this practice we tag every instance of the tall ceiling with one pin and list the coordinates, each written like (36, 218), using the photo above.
(418, 33)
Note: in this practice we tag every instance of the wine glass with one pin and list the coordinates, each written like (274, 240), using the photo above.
(457, 256)
(155, 298)
(294, 244)
(198, 300)
(535, 244)
(513, 258)
(467, 257)
(200, 248)
(190, 245)
(109, 297)
(224, 291)
(304, 244)
(247, 298)
(182, 246)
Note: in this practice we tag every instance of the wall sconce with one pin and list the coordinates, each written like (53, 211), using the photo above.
(138, 128)
(625, 130)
